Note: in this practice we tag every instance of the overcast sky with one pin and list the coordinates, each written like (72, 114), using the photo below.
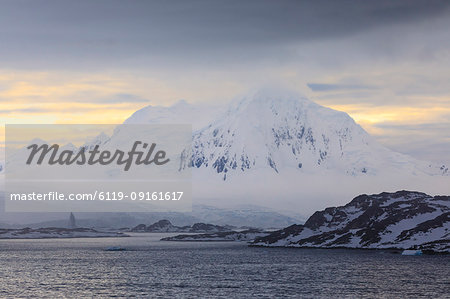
(386, 63)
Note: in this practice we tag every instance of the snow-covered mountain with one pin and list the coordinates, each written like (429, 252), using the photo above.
(402, 219)
(279, 130)
(277, 149)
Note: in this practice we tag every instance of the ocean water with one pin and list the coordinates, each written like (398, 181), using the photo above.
(80, 268)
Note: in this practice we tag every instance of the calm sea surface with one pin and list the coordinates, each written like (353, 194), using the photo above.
(79, 268)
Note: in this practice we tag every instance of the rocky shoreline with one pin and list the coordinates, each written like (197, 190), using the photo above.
(56, 232)
(400, 220)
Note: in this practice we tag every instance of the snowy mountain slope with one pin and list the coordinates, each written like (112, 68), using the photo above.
(181, 112)
(277, 149)
(254, 216)
(402, 219)
(280, 130)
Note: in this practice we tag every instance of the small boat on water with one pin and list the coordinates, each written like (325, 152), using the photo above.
(412, 252)
(115, 248)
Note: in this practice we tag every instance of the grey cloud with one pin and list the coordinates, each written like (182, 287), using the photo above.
(80, 97)
(104, 33)
(319, 87)
(344, 97)
(24, 110)
(426, 141)
(442, 128)
(120, 98)
(427, 149)
(92, 97)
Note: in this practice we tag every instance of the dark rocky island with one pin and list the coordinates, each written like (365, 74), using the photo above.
(400, 220)
(246, 235)
(55, 232)
(165, 226)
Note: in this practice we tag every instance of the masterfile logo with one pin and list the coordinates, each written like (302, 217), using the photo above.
(126, 168)
(95, 156)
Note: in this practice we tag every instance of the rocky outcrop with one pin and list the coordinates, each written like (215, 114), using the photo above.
(401, 220)
(166, 226)
(56, 232)
(246, 235)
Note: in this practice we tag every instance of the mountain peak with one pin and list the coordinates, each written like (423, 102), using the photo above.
(276, 93)
(277, 129)
(180, 103)
(180, 112)
(274, 129)
(274, 97)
